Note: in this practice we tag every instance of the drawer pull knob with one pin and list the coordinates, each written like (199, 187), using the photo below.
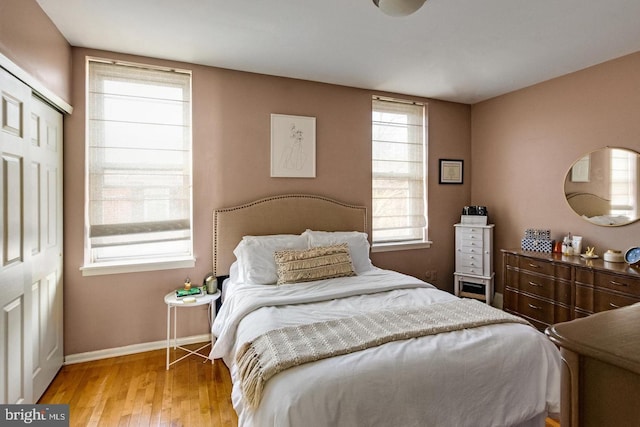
(612, 305)
(534, 265)
(535, 307)
(613, 282)
(535, 284)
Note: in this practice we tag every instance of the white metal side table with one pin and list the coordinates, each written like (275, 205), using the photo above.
(174, 303)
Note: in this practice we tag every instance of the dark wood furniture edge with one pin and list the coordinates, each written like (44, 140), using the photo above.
(594, 264)
(607, 336)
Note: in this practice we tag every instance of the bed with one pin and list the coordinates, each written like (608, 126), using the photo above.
(493, 374)
(595, 209)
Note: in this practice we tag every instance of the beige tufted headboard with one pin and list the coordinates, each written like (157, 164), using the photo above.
(284, 214)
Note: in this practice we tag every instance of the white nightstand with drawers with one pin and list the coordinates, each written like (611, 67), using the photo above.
(474, 275)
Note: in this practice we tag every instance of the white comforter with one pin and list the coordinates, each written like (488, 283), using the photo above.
(498, 375)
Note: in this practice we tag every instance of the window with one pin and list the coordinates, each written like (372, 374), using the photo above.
(138, 147)
(623, 183)
(398, 172)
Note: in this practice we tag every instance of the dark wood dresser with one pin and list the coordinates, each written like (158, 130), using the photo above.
(547, 288)
(601, 368)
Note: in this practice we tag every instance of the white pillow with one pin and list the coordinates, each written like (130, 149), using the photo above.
(235, 273)
(357, 241)
(255, 255)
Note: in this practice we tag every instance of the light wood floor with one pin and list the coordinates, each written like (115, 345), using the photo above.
(136, 390)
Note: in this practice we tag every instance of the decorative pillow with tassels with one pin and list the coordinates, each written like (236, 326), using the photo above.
(322, 262)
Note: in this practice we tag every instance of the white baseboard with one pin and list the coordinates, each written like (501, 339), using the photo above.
(131, 349)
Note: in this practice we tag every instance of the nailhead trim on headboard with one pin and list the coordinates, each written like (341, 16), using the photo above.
(352, 216)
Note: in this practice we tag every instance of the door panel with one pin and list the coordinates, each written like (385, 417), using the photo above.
(12, 208)
(31, 329)
(16, 383)
(46, 263)
(15, 305)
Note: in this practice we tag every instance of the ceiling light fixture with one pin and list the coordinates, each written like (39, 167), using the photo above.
(399, 7)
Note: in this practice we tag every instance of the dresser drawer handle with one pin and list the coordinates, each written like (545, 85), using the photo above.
(613, 282)
(535, 307)
(612, 305)
(534, 265)
(535, 284)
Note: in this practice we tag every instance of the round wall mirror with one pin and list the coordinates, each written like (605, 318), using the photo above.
(602, 186)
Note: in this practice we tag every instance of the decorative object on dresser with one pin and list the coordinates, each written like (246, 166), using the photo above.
(601, 368)
(537, 240)
(552, 288)
(474, 275)
(632, 256)
(613, 255)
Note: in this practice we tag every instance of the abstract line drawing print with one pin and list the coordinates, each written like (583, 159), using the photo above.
(293, 156)
(293, 146)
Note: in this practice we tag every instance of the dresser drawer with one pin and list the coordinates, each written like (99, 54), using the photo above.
(617, 283)
(603, 301)
(470, 264)
(584, 275)
(584, 298)
(471, 247)
(593, 300)
(473, 233)
(545, 267)
(539, 310)
(510, 260)
(536, 265)
(470, 240)
(544, 286)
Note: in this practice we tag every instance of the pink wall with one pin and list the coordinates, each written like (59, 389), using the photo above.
(31, 41)
(231, 143)
(523, 144)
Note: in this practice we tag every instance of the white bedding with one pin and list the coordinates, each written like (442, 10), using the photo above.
(498, 375)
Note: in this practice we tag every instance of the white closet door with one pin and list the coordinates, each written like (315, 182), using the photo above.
(44, 225)
(15, 304)
(31, 243)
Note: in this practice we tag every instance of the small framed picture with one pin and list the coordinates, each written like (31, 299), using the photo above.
(580, 170)
(451, 171)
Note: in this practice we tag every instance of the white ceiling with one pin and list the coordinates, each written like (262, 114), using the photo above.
(457, 50)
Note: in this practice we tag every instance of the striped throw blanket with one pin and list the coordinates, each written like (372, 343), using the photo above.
(280, 349)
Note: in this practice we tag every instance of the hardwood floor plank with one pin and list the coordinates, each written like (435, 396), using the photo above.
(137, 390)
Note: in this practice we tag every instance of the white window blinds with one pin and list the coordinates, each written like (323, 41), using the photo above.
(138, 163)
(623, 183)
(398, 165)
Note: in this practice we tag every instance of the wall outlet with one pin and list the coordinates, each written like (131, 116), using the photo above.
(431, 275)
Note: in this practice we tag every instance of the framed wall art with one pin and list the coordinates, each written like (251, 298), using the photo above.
(451, 171)
(580, 169)
(293, 146)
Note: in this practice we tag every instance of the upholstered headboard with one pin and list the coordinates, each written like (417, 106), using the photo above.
(284, 214)
(588, 204)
